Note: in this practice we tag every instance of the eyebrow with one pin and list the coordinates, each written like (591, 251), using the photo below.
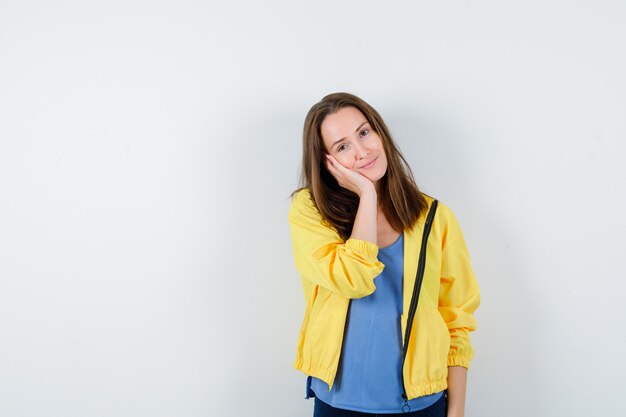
(356, 130)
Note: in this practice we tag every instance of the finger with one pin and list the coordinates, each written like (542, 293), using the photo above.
(331, 168)
(330, 160)
(337, 175)
(331, 163)
(337, 165)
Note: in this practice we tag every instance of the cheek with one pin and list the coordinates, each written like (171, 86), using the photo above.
(379, 144)
(382, 150)
(383, 165)
(345, 162)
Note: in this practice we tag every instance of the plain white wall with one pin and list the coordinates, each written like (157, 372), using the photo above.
(147, 150)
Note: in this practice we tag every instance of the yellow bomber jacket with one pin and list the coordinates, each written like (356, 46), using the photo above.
(333, 271)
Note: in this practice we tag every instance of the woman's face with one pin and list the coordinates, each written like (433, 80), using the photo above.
(349, 137)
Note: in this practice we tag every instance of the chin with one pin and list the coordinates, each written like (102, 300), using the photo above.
(380, 175)
(376, 178)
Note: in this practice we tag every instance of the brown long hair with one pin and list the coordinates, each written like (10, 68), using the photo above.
(399, 197)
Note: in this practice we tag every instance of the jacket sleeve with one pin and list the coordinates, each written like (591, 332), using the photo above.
(323, 258)
(459, 295)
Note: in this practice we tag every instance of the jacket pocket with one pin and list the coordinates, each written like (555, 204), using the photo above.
(428, 346)
(315, 313)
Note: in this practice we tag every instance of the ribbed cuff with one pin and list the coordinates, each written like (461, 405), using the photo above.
(458, 360)
(365, 247)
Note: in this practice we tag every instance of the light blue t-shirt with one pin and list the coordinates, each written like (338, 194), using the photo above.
(369, 378)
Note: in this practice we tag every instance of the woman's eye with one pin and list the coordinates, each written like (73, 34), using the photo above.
(341, 148)
(364, 132)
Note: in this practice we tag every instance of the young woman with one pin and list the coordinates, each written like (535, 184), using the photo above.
(389, 287)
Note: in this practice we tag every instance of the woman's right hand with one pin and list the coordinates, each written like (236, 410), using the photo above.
(347, 178)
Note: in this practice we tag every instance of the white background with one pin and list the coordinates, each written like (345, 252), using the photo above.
(148, 148)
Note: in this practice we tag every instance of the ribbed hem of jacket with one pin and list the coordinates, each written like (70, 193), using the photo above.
(426, 388)
(325, 375)
(419, 390)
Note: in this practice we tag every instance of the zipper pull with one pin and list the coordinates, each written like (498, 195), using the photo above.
(406, 408)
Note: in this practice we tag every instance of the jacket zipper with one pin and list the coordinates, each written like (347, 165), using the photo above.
(415, 297)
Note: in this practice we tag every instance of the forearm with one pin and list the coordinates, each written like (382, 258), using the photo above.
(364, 227)
(457, 383)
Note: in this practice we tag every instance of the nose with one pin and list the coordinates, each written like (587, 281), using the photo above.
(361, 151)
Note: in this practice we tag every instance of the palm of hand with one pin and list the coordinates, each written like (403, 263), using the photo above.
(347, 178)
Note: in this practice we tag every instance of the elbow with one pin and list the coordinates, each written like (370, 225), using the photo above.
(355, 283)
(359, 292)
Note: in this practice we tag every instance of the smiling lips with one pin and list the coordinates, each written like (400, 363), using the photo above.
(369, 164)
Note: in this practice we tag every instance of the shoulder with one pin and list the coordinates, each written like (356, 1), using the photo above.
(444, 211)
(302, 196)
(446, 221)
(301, 200)
(302, 205)
(430, 200)
(305, 219)
(444, 217)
